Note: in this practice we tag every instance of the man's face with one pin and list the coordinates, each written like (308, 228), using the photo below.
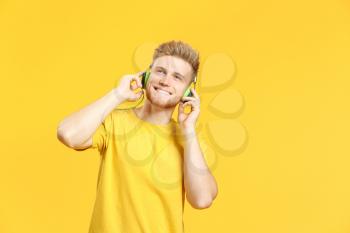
(170, 76)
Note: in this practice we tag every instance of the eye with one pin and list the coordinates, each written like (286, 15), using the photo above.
(161, 71)
(178, 77)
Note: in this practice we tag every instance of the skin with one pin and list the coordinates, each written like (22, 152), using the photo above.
(173, 75)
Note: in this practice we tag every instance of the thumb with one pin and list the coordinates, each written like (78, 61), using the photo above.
(137, 79)
(181, 107)
(139, 94)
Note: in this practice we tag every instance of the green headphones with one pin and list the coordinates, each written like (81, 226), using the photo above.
(145, 77)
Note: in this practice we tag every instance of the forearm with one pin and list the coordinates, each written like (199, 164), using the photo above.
(200, 184)
(78, 127)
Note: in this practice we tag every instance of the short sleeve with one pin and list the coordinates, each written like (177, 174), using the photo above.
(101, 136)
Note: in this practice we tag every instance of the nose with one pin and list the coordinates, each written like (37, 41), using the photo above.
(165, 80)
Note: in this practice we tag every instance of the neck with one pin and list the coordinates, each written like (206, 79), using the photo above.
(154, 114)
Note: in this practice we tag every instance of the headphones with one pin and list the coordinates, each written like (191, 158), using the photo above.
(145, 77)
(144, 80)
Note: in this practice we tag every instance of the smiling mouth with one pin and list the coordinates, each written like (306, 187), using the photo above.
(161, 91)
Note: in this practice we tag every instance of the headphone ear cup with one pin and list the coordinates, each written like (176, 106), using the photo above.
(188, 92)
(144, 78)
(143, 75)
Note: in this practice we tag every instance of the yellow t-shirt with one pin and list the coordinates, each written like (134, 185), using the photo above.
(140, 185)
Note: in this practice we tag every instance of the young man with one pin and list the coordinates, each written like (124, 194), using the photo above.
(148, 160)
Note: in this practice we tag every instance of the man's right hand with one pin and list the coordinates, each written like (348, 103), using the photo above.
(127, 85)
(77, 130)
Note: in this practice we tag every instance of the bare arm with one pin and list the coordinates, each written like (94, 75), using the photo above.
(77, 129)
(201, 187)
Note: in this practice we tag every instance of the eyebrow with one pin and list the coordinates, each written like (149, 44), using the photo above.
(174, 72)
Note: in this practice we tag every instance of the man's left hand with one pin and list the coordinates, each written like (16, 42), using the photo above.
(188, 121)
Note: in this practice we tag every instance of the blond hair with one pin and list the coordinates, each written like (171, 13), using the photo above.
(181, 50)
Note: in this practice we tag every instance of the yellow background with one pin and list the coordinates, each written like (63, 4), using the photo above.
(293, 71)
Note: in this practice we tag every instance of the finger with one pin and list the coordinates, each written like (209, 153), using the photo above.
(137, 80)
(194, 93)
(182, 106)
(188, 103)
(140, 93)
(188, 98)
(139, 73)
(133, 85)
(187, 109)
(137, 95)
(193, 104)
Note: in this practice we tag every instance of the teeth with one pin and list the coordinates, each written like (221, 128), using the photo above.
(163, 92)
